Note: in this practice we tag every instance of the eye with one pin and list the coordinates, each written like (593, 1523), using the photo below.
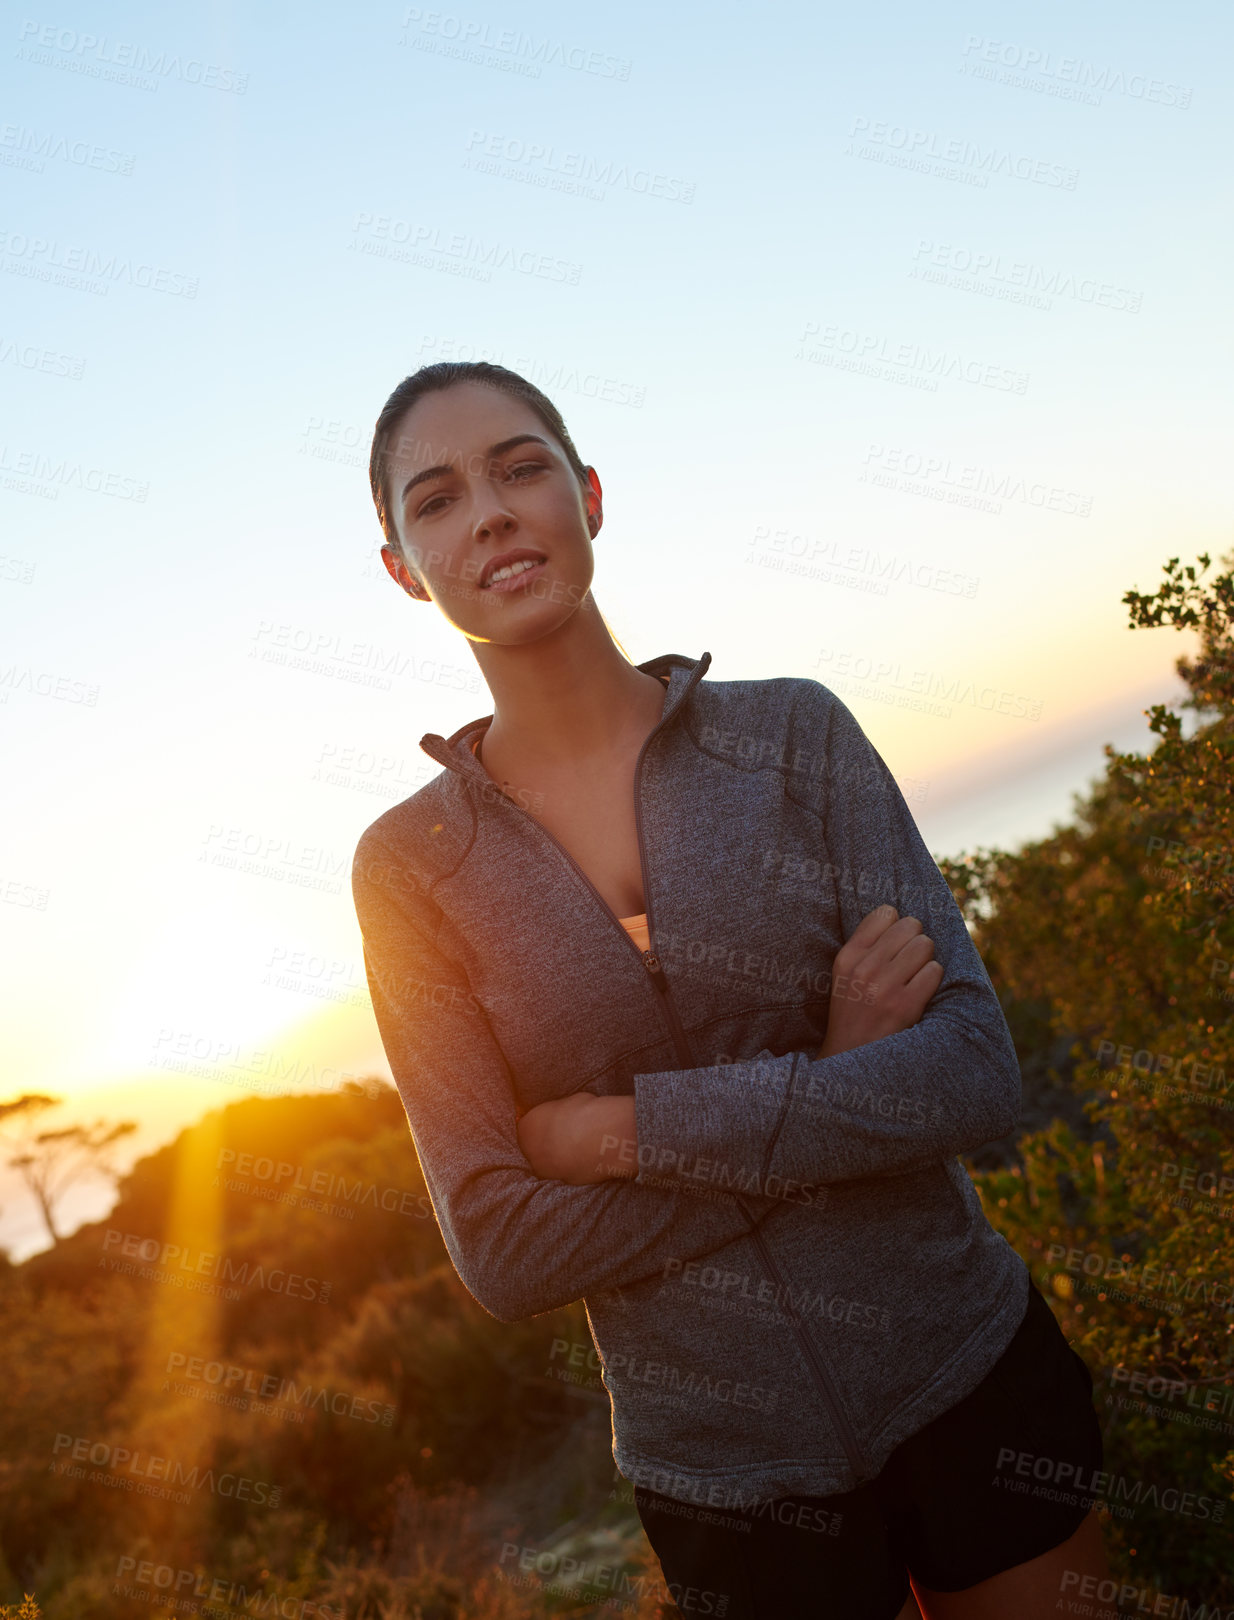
(525, 467)
(427, 509)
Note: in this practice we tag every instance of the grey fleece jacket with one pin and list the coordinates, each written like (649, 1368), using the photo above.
(801, 1274)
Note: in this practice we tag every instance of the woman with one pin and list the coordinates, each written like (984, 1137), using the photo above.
(602, 945)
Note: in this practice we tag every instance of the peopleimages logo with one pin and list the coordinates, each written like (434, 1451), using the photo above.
(1190, 1071)
(1023, 275)
(1076, 71)
(875, 349)
(57, 470)
(1114, 1268)
(163, 1262)
(472, 37)
(32, 148)
(918, 145)
(916, 471)
(1147, 1599)
(241, 1386)
(1098, 1485)
(187, 1584)
(38, 256)
(736, 1284)
(119, 1461)
(926, 683)
(32, 357)
(545, 164)
(91, 54)
(282, 1176)
(387, 237)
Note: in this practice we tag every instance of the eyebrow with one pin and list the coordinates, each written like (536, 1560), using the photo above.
(494, 450)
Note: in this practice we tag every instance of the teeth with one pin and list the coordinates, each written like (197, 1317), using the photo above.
(509, 572)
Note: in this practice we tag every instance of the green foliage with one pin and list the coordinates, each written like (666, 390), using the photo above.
(1120, 925)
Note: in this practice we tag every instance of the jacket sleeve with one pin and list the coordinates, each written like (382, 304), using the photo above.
(521, 1245)
(948, 1085)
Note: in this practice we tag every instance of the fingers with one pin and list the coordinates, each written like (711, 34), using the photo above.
(877, 945)
(919, 990)
(901, 995)
(915, 952)
(927, 979)
(893, 965)
(862, 944)
(872, 925)
(884, 977)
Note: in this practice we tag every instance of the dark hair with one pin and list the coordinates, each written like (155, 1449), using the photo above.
(431, 378)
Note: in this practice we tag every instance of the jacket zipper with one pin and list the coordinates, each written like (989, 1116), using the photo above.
(681, 1041)
(648, 958)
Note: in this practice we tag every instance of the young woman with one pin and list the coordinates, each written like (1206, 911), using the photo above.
(648, 963)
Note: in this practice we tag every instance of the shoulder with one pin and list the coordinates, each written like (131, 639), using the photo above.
(746, 719)
(414, 843)
(791, 724)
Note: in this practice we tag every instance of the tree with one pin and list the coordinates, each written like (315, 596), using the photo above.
(51, 1161)
(1121, 924)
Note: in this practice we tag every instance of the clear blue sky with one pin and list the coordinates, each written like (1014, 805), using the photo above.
(931, 303)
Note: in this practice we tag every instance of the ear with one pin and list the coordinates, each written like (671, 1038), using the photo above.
(595, 502)
(401, 574)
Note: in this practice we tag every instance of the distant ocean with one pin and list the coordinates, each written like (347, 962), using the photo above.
(1014, 795)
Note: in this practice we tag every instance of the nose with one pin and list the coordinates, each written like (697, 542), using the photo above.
(491, 515)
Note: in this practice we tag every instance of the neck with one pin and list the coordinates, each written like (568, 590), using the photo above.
(563, 699)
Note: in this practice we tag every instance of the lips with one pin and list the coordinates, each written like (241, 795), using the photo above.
(505, 560)
(519, 584)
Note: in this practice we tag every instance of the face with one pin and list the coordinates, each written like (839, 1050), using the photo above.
(472, 476)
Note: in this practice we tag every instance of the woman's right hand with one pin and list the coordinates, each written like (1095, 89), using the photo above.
(882, 980)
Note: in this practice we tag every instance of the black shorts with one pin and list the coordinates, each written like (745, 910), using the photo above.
(981, 1488)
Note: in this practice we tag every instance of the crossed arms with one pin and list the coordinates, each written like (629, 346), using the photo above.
(534, 1216)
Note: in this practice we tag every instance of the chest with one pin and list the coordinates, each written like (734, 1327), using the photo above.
(594, 821)
(744, 908)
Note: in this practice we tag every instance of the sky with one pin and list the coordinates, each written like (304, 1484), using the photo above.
(896, 336)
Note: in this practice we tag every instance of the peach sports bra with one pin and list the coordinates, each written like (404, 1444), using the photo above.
(636, 927)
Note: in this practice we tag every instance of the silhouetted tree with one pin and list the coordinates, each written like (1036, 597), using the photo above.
(51, 1161)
